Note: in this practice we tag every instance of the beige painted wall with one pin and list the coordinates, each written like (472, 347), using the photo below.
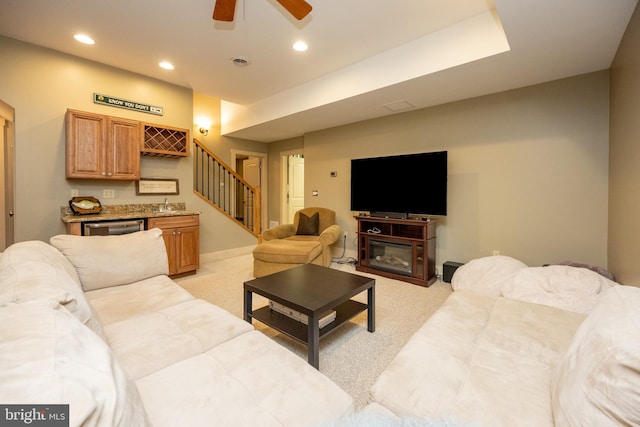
(216, 231)
(528, 170)
(41, 84)
(624, 176)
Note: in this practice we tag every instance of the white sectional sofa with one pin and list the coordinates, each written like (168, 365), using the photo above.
(95, 322)
(522, 346)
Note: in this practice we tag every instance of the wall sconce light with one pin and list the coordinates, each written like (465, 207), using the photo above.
(203, 126)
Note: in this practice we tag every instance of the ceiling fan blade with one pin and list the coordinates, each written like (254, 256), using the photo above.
(224, 10)
(298, 8)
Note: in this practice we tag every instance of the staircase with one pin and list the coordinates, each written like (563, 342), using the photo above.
(225, 190)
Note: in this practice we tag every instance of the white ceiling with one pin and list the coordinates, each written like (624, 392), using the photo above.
(363, 54)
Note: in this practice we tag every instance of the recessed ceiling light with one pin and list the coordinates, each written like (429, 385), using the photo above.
(166, 65)
(83, 38)
(300, 46)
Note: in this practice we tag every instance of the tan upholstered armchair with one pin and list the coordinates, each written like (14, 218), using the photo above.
(307, 240)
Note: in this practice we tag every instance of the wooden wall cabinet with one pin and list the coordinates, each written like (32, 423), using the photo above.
(182, 238)
(102, 147)
(164, 141)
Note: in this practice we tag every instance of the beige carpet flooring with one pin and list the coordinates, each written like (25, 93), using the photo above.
(352, 357)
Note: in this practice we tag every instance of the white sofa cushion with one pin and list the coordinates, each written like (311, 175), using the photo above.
(146, 296)
(103, 261)
(481, 360)
(146, 343)
(33, 270)
(247, 381)
(569, 288)
(48, 356)
(486, 275)
(597, 382)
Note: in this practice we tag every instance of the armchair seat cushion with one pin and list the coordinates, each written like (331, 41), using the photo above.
(288, 251)
(307, 241)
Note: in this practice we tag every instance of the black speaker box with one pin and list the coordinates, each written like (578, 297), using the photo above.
(448, 268)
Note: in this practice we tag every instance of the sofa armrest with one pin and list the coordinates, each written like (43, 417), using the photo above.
(279, 232)
(330, 235)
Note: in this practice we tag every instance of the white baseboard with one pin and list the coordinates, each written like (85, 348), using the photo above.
(228, 253)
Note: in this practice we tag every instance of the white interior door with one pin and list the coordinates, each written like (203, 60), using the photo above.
(295, 188)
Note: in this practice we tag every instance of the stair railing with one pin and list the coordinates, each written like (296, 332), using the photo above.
(225, 190)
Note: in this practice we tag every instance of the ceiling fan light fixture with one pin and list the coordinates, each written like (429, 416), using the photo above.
(240, 61)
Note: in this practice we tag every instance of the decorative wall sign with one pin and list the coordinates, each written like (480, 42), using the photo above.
(157, 186)
(126, 104)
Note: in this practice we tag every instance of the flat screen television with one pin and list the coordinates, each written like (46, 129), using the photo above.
(406, 184)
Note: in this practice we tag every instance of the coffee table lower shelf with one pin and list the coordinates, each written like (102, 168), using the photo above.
(298, 330)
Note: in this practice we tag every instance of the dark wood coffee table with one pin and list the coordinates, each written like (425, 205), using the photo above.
(312, 290)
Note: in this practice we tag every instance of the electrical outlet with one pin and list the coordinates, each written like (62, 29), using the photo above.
(346, 234)
(75, 192)
(496, 252)
(108, 194)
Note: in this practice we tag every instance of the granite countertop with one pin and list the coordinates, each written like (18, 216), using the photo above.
(114, 212)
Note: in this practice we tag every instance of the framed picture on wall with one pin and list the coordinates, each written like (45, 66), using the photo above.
(157, 186)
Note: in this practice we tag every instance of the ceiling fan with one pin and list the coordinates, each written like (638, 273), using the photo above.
(225, 9)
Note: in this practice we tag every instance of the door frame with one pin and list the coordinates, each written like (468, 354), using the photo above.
(8, 171)
(263, 180)
(284, 172)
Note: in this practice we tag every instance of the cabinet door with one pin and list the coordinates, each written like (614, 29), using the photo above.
(85, 133)
(187, 256)
(123, 149)
(182, 239)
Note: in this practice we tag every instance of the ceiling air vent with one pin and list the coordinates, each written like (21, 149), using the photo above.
(399, 106)
(240, 61)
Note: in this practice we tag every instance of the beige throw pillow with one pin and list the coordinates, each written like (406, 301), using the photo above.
(104, 261)
(596, 383)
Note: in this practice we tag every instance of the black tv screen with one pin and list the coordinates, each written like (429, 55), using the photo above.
(405, 184)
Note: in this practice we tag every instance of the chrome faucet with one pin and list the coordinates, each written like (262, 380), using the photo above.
(165, 207)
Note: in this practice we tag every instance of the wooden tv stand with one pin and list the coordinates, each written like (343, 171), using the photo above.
(402, 249)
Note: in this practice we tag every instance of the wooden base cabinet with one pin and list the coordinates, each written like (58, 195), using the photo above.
(402, 249)
(182, 238)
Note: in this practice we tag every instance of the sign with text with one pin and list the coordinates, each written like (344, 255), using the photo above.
(126, 104)
(34, 415)
(157, 186)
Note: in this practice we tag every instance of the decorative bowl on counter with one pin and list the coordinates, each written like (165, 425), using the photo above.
(85, 205)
